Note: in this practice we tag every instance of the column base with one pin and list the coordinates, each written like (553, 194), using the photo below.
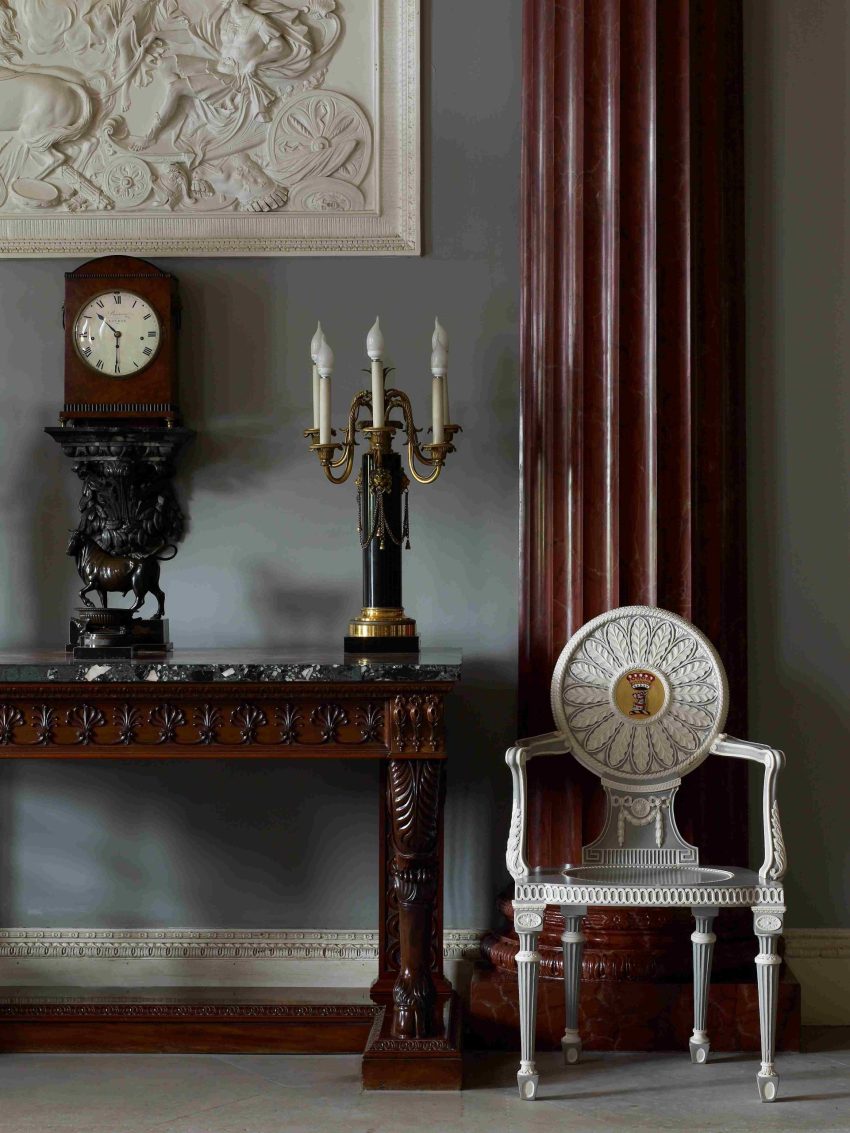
(435, 1063)
(370, 646)
(629, 1015)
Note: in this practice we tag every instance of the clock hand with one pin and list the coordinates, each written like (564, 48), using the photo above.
(117, 333)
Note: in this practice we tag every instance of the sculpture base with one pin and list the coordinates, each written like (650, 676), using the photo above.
(369, 646)
(135, 637)
(381, 629)
(630, 1015)
(433, 1063)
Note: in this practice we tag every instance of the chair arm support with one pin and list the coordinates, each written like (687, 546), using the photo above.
(775, 860)
(516, 758)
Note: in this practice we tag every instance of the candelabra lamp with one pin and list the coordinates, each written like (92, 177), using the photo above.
(382, 625)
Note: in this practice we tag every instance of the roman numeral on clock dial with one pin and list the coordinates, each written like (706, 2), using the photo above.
(117, 333)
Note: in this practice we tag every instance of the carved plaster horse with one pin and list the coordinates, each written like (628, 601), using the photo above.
(46, 110)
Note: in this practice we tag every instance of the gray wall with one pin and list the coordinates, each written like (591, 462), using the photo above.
(798, 272)
(271, 556)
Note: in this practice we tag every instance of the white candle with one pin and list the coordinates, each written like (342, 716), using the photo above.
(316, 380)
(440, 341)
(315, 346)
(437, 410)
(375, 350)
(325, 366)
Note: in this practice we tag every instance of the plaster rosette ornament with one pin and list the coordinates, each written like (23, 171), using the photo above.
(202, 126)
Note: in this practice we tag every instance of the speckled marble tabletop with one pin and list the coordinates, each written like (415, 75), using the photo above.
(234, 665)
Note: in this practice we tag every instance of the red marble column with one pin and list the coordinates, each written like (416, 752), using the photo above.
(633, 445)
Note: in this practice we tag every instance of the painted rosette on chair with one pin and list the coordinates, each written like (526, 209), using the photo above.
(640, 697)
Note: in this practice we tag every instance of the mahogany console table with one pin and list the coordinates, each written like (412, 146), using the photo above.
(263, 705)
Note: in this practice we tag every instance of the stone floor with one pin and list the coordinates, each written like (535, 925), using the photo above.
(124, 1093)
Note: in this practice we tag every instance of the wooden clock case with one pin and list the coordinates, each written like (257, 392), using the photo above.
(148, 396)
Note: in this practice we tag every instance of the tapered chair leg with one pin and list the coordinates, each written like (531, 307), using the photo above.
(703, 946)
(573, 942)
(528, 924)
(768, 928)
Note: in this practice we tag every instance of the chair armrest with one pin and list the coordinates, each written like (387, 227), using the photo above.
(516, 757)
(775, 861)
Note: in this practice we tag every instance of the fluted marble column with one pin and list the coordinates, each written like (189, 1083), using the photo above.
(633, 457)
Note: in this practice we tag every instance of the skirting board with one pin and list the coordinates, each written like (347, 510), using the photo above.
(173, 957)
(91, 957)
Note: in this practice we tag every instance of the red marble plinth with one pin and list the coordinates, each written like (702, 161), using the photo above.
(629, 1015)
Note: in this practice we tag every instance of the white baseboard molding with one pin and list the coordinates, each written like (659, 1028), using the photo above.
(92, 957)
(95, 957)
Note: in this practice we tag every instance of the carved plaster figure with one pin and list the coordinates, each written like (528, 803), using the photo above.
(206, 80)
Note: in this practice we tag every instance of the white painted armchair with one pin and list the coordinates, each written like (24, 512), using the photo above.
(639, 697)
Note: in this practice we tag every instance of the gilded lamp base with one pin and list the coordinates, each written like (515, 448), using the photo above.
(382, 629)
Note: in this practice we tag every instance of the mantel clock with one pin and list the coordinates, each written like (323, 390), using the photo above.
(120, 425)
(121, 316)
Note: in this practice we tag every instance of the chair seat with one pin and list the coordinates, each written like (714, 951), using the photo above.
(687, 886)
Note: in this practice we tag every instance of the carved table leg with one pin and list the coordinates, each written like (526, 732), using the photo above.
(703, 948)
(768, 923)
(414, 790)
(573, 942)
(416, 1043)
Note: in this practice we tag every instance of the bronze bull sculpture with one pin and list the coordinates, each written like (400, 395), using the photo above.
(117, 574)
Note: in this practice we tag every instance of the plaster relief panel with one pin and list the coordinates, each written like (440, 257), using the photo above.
(209, 127)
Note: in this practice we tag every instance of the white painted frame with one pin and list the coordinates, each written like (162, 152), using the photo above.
(381, 217)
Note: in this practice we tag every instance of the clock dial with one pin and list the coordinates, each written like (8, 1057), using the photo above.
(117, 333)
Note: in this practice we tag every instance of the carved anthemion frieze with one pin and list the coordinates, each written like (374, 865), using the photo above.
(226, 723)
